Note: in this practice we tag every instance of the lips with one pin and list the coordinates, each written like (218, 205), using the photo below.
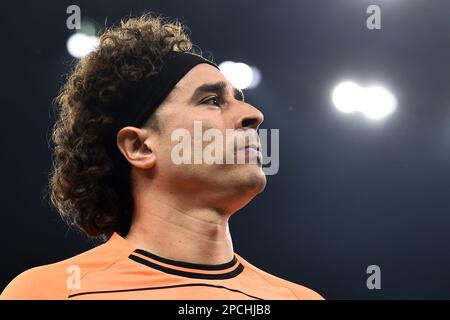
(255, 150)
(253, 146)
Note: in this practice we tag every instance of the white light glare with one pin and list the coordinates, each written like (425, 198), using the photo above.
(80, 44)
(374, 102)
(379, 103)
(241, 75)
(348, 97)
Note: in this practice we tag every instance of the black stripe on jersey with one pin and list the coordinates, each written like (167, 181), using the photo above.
(219, 276)
(186, 264)
(165, 287)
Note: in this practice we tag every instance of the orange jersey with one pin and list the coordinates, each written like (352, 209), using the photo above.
(118, 270)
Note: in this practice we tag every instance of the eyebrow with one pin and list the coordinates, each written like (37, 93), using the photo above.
(219, 88)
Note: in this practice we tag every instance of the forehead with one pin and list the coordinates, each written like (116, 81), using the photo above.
(200, 74)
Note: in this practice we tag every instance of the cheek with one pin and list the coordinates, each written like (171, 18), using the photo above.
(190, 130)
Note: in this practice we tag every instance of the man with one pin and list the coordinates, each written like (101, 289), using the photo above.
(114, 176)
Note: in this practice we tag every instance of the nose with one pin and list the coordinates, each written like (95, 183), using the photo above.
(252, 118)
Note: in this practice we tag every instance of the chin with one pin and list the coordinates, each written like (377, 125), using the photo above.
(252, 178)
(240, 185)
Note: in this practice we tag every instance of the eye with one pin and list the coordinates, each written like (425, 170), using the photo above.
(214, 100)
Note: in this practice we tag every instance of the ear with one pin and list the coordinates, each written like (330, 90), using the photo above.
(136, 146)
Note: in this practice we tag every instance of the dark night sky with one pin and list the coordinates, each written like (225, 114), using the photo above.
(350, 192)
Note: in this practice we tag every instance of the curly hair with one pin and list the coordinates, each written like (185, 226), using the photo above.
(90, 181)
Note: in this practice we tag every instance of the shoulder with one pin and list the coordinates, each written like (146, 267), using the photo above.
(54, 281)
(29, 285)
(300, 291)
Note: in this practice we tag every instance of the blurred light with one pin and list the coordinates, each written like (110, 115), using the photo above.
(241, 75)
(256, 78)
(379, 103)
(348, 97)
(374, 102)
(80, 44)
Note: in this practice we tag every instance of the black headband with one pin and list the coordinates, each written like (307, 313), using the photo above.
(150, 92)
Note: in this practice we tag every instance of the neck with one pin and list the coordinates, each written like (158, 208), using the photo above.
(193, 234)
